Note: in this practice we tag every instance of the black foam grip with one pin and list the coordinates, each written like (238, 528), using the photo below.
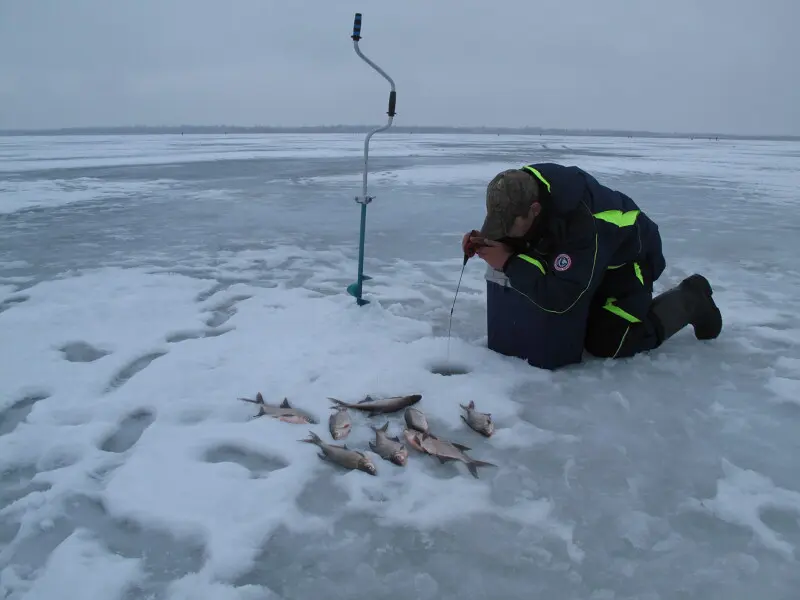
(392, 103)
(357, 27)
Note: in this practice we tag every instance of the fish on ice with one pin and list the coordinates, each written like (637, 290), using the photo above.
(342, 455)
(388, 448)
(478, 421)
(415, 419)
(377, 406)
(443, 450)
(339, 423)
(285, 412)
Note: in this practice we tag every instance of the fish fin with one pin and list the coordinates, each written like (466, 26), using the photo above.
(464, 407)
(372, 446)
(250, 400)
(285, 403)
(461, 446)
(385, 427)
(396, 439)
(259, 398)
(367, 398)
(473, 469)
(463, 418)
(444, 459)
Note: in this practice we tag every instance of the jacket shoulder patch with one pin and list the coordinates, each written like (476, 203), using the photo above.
(562, 262)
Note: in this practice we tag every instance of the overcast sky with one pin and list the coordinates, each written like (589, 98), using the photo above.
(729, 66)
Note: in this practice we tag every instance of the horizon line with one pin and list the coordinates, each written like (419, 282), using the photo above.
(190, 129)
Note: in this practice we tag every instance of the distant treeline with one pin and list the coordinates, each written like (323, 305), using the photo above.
(405, 129)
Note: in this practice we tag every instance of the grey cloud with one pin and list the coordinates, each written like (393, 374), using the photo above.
(716, 65)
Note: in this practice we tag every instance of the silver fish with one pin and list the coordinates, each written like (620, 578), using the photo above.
(339, 423)
(415, 419)
(285, 412)
(443, 450)
(480, 422)
(342, 455)
(379, 406)
(388, 448)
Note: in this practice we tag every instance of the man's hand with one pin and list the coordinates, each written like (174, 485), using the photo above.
(467, 245)
(494, 253)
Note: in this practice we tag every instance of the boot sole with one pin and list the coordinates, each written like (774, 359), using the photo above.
(701, 284)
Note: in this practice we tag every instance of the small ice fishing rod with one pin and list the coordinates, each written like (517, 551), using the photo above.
(458, 287)
(452, 308)
(356, 289)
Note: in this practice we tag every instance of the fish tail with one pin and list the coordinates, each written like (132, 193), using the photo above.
(473, 465)
(384, 428)
(312, 438)
(482, 463)
(338, 403)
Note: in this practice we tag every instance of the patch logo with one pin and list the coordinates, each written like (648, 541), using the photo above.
(562, 262)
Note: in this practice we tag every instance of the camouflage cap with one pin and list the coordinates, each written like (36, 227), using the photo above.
(509, 195)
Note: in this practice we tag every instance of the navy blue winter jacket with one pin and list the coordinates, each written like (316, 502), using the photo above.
(584, 229)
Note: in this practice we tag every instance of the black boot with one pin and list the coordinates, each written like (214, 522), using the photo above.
(690, 303)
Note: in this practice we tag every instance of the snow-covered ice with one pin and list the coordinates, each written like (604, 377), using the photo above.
(19, 195)
(146, 282)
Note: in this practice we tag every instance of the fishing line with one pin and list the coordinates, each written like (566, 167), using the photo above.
(452, 308)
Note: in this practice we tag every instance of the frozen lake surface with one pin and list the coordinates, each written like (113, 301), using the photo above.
(146, 282)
